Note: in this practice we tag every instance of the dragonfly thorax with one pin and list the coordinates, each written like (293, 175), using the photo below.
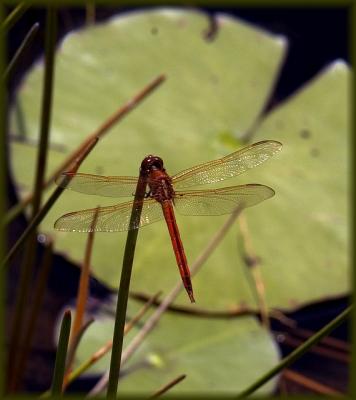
(160, 185)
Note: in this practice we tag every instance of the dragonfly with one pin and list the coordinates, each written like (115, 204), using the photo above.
(166, 193)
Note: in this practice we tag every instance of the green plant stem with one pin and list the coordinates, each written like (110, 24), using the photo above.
(123, 294)
(14, 16)
(3, 184)
(12, 213)
(152, 321)
(168, 386)
(297, 353)
(46, 107)
(29, 254)
(15, 337)
(83, 287)
(72, 348)
(82, 298)
(90, 12)
(39, 291)
(31, 227)
(20, 51)
(102, 351)
(59, 366)
(66, 382)
(44, 210)
(116, 117)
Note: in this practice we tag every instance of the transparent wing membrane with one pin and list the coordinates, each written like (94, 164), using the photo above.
(221, 201)
(110, 219)
(227, 167)
(109, 186)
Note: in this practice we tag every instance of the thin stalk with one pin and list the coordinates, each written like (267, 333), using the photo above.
(39, 292)
(73, 345)
(107, 347)
(309, 383)
(46, 107)
(21, 50)
(15, 14)
(3, 185)
(31, 227)
(29, 255)
(90, 13)
(253, 266)
(83, 288)
(332, 348)
(239, 311)
(124, 287)
(321, 350)
(297, 353)
(171, 296)
(261, 294)
(332, 342)
(112, 120)
(82, 295)
(168, 386)
(47, 206)
(59, 366)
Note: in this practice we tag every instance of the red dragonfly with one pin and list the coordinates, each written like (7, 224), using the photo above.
(163, 193)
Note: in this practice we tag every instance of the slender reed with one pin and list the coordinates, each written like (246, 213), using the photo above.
(14, 16)
(46, 107)
(253, 266)
(47, 206)
(39, 291)
(82, 295)
(21, 50)
(104, 128)
(297, 353)
(14, 377)
(164, 389)
(59, 366)
(72, 347)
(3, 185)
(309, 383)
(107, 347)
(29, 254)
(124, 287)
(171, 296)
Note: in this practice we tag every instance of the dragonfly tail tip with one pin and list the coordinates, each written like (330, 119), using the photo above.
(191, 296)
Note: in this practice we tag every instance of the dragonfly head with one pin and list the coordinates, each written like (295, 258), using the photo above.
(152, 162)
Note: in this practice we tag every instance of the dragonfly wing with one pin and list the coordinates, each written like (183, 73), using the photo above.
(109, 219)
(231, 165)
(109, 186)
(221, 201)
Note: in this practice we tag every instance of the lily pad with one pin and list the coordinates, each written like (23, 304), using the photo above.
(228, 356)
(214, 93)
(308, 219)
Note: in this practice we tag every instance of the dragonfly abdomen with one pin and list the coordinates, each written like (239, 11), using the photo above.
(167, 207)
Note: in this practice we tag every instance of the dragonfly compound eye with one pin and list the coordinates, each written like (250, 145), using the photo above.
(152, 162)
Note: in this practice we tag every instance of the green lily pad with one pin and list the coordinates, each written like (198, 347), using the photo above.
(215, 91)
(308, 219)
(228, 356)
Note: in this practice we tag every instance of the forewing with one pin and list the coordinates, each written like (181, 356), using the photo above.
(109, 219)
(109, 186)
(227, 167)
(221, 201)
